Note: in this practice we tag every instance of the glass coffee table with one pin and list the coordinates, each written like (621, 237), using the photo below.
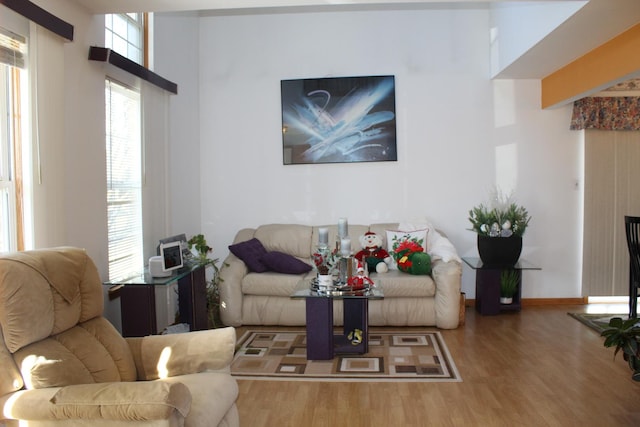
(322, 343)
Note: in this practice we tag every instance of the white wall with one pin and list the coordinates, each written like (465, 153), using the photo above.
(516, 27)
(455, 128)
(176, 36)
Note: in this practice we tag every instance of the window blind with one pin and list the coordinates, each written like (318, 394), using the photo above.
(13, 48)
(611, 192)
(124, 180)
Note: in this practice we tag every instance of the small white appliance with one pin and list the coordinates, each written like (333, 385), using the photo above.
(156, 267)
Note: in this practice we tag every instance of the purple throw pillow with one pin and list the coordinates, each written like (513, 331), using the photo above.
(251, 252)
(284, 263)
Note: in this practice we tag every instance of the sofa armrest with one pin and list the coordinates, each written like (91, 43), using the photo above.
(161, 356)
(231, 274)
(230, 286)
(448, 279)
(121, 401)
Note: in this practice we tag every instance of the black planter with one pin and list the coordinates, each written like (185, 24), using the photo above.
(499, 251)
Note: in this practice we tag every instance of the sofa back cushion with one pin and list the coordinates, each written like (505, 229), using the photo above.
(292, 239)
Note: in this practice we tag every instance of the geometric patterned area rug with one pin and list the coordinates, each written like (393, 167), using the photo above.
(597, 322)
(392, 356)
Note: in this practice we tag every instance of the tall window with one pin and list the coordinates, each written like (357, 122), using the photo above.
(124, 180)
(125, 33)
(13, 102)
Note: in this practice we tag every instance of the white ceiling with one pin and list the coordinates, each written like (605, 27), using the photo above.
(594, 24)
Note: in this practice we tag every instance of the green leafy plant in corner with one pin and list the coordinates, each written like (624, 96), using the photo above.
(624, 335)
(199, 242)
(508, 283)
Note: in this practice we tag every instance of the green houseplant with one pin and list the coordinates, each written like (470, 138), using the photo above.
(213, 290)
(624, 335)
(508, 285)
(499, 226)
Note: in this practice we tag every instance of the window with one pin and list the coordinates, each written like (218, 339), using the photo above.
(13, 102)
(126, 33)
(124, 180)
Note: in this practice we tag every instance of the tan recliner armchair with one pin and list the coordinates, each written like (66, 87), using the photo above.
(63, 364)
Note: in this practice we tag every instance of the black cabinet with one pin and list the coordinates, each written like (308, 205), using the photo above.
(143, 299)
(488, 285)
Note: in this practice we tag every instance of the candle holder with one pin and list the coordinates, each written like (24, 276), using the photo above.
(345, 269)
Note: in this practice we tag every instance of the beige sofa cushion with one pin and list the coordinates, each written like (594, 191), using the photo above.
(272, 284)
(92, 352)
(292, 239)
(398, 284)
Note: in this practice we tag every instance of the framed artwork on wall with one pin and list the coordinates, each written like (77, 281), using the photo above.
(339, 120)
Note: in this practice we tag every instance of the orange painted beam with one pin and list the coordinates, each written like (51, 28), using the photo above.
(618, 58)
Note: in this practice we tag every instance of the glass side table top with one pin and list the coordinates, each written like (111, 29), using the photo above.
(522, 264)
(304, 290)
(144, 278)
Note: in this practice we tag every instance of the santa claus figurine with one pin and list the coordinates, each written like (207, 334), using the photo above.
(376, 257)
(360, 280)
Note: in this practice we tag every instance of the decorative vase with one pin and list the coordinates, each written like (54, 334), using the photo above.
(325, 281)
(506, 300)
(500, 251)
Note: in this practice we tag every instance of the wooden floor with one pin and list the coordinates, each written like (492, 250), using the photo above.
(539, 367)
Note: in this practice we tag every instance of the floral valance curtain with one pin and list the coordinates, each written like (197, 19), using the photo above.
(606, 113)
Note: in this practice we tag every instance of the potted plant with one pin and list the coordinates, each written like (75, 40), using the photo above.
(508, 285)
(499, 226)
(624, 335)
(199, 243)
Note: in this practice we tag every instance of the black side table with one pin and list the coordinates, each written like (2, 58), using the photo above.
(138, 299)
(322, 343)
(488, 285)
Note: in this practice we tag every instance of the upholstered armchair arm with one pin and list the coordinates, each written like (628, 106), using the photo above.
(125, 401)
(161, 356)
(448, 278)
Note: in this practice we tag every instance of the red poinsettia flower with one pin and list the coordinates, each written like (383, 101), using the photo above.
(409, 246)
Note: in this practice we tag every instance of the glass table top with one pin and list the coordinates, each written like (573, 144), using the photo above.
(306, 289)
(522, 264)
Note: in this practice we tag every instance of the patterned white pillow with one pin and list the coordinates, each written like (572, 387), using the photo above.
(395, 237)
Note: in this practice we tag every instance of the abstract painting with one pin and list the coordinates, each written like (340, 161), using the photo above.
(338, 120)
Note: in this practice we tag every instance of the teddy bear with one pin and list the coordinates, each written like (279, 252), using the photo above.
(376, 257)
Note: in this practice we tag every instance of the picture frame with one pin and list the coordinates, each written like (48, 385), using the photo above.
(339, 120)
(171, 254)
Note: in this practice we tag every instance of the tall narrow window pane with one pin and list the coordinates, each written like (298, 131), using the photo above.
(124, 180)
(124, 33)
(13, 105)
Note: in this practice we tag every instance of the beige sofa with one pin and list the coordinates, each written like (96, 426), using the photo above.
(63, 364)
(250, 298)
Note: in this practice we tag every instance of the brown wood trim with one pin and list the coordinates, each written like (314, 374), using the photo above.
(41, 17)
(530, 302)
(145, 41)
(104, 54)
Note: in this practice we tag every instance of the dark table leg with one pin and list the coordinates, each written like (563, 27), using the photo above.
(488, 291)
(356, 316)
(319, 328)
